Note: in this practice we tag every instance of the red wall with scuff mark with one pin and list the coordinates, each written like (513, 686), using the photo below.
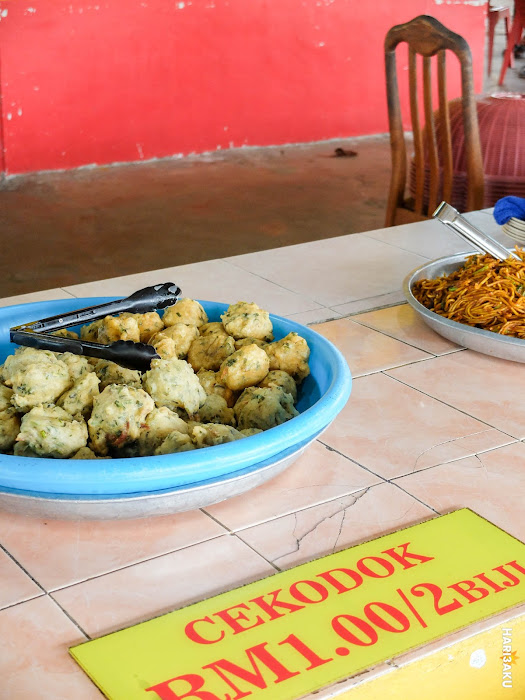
(104, 81)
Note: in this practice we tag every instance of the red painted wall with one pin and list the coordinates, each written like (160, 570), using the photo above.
(103, 81)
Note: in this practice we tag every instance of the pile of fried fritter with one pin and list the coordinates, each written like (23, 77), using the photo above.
(215, 382)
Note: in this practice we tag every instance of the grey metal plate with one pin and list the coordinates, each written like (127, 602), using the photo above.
(164, 503)
(486, 342)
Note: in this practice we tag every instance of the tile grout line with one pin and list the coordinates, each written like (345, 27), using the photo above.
(350, 459)
(456, 408)
(130, 565)
(414, 497)
(405, 342)
(384, 478)
(459, 348)
(241, 528)
(216, 520)
(393, 480)
(369, 310)
(512, 439)
(22, 567)
(10, 606)
(280, 286)
(323, 305)
(71, 619)
(392, 245)
(405, 364)
(277, 569)
(343, 510)
(66, 291)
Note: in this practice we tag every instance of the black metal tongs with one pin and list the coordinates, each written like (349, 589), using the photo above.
(38, 334)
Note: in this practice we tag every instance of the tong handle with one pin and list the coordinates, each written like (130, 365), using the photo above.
(453, 219)
(124, 352)
(157, 297)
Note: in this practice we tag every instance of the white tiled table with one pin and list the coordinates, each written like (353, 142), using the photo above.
(430, 427)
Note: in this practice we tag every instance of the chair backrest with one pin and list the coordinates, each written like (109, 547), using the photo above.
(429, 39)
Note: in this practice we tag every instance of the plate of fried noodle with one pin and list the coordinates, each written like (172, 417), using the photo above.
(473, 300)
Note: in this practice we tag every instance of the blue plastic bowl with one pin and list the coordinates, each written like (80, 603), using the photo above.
(321, 396)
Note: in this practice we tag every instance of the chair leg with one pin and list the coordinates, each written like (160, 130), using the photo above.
(492, 26)
(514, 37)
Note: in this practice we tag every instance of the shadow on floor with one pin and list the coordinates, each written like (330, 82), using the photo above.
(76, 226)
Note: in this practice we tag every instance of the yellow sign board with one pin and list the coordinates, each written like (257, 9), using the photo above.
(303, 629)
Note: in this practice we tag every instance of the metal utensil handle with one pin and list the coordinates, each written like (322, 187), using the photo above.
(453, 220)
(157, 297)
(124, 352)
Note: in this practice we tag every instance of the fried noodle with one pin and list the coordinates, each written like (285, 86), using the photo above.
(484, 292)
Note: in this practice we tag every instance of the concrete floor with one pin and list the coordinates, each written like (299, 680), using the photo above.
(62, 228)
(77, 226)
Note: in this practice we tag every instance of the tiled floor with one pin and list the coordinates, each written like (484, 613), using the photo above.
(429, 427)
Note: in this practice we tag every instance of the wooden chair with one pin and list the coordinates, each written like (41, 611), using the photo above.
(513, 37)
(494, 14)
(431, 41)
